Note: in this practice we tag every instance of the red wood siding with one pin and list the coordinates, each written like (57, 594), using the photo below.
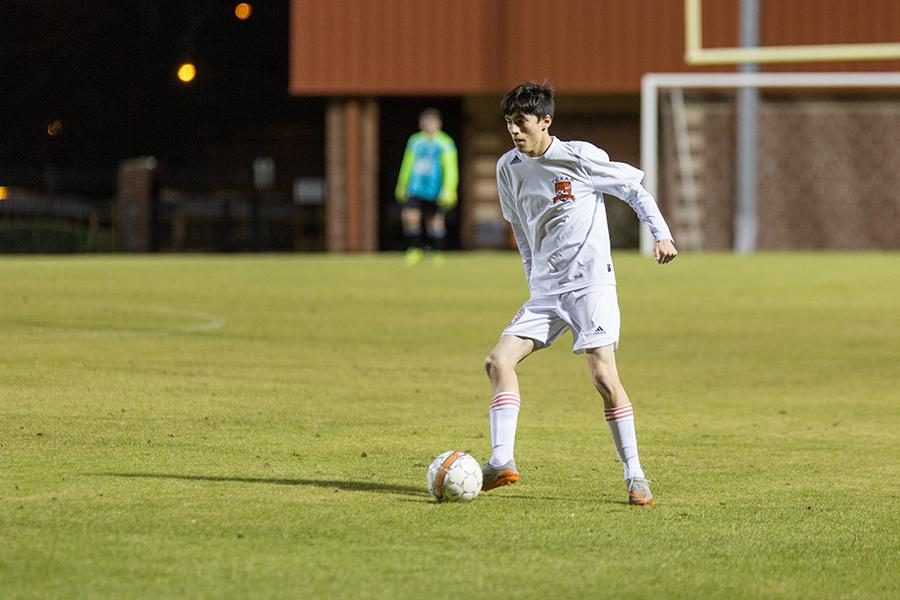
(391, 46)
(421, 47)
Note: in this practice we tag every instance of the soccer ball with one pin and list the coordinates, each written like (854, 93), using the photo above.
(454, 476)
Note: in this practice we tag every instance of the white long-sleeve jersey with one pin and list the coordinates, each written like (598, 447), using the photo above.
(554, 203)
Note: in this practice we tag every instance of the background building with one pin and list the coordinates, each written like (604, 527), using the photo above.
(378, 63)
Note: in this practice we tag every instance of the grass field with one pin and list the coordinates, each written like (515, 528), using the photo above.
(255, 427)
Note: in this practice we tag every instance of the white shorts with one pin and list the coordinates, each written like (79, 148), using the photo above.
(592, 314)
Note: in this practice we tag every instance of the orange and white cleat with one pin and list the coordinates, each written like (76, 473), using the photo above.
(494, 477)
(639, 491)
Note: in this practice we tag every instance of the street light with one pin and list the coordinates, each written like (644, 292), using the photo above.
(186, 72)
(243, 11)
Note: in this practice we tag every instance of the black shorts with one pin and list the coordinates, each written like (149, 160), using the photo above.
(429, 208)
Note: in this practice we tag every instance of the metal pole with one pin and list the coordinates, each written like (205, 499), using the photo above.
(746, 216)
(649, 124)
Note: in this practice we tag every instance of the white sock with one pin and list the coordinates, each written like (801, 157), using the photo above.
(621, 425)
(504, 418)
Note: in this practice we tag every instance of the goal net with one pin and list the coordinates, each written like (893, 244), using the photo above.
(827, 159)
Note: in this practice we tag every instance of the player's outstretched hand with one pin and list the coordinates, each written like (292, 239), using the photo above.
(664, 251)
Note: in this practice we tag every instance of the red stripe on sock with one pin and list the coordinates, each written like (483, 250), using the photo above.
(505, 399)
(617, 419)
(621, 412)
(502, 404)
(613, 419)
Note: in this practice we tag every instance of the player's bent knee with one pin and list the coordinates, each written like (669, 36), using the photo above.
(606, 381)
(490, 365)
(605, 389)
(495, 364)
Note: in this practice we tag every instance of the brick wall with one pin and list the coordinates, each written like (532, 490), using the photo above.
(829, 172)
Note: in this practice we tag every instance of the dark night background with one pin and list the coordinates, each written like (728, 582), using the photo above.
(107, 71)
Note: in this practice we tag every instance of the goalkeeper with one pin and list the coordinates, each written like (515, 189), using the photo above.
(426, 188)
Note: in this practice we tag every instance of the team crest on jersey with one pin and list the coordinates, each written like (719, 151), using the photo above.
(562, 190)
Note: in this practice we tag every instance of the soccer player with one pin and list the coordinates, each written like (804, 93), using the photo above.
(426, 186)
(551, 192)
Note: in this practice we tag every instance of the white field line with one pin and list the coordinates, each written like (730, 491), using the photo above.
(204, 322)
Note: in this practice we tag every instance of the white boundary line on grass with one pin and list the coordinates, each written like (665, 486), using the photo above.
(210, 321)
(207, 322)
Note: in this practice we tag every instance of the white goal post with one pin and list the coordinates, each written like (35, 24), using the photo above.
(653, 83)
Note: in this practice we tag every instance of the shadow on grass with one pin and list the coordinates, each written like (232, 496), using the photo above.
(336, 485)
(377, 487)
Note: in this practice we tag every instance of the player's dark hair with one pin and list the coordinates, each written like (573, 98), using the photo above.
(529, 98)
(430, 112)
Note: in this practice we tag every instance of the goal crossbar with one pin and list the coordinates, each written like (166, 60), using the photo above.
(696, 54)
